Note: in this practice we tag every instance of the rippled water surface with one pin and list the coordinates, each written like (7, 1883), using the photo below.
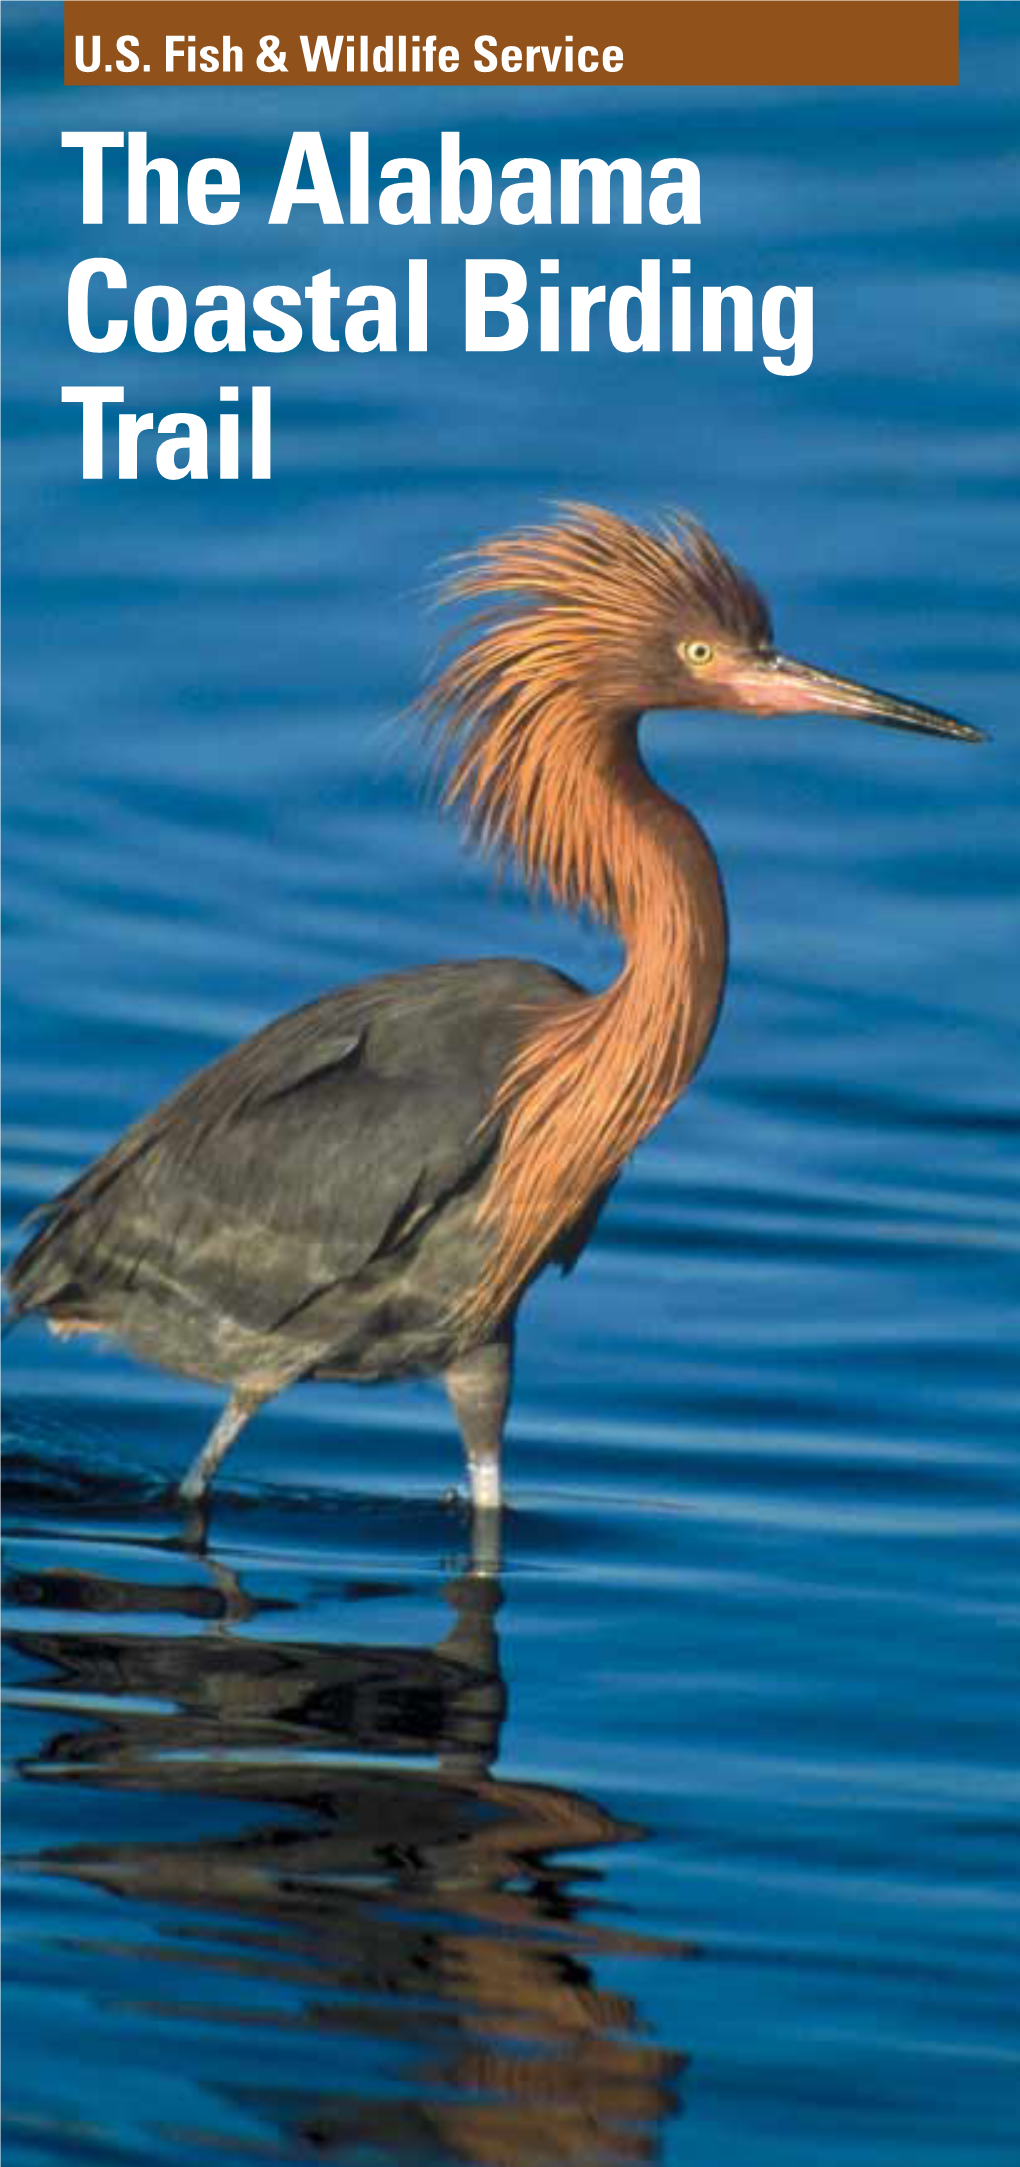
(691, 1835)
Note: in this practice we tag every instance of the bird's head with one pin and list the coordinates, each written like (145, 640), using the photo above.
(630, 620)
(582, 626)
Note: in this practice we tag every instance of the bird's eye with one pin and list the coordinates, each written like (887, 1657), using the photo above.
(698, 653)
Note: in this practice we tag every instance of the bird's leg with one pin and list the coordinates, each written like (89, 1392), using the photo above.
(479, 1389)
(238, 1410)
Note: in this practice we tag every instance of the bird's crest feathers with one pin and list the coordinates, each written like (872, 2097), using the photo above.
(576, 635)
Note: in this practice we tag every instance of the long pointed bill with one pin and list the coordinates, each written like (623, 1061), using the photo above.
(777, 685)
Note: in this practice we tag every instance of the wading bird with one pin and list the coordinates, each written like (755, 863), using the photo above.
(367, 1187)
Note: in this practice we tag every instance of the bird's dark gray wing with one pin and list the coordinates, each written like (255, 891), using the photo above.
(297, 1159)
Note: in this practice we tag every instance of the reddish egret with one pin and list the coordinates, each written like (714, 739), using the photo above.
(366, 1188)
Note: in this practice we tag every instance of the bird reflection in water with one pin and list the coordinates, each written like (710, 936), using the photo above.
(424, 1910)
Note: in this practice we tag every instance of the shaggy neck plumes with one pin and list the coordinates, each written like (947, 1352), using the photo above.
(592, 1079)
(541, 711)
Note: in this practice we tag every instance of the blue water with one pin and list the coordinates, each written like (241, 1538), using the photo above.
(693, 1836)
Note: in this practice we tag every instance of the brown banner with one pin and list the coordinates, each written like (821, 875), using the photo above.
(145, 42)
